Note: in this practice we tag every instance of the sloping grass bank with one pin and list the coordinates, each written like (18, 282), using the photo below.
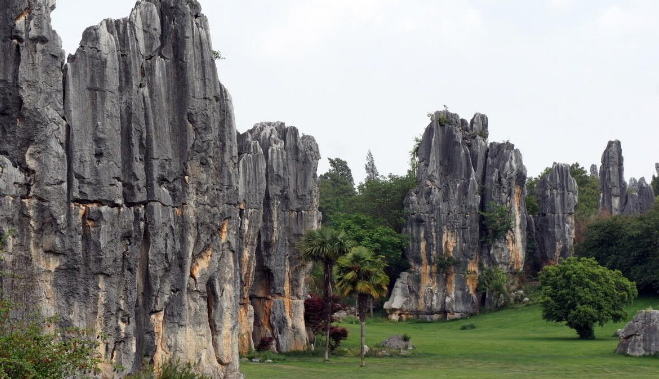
(513, 343)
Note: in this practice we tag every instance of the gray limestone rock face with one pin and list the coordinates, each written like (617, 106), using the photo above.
(656, 168)
(594, 172)
(287, 207)
(613, 188)
(641, 199)
(150, 127)
(616, 197)
(641, 335)
(134, 212)
(632, 186)
(457, 171)
(646, 196)
(557, 194)
(505, 185)
(33, 162)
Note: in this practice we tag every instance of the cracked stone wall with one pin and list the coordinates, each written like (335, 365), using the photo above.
(134, 213)
(280, 198)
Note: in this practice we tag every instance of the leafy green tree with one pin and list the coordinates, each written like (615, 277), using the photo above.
(655, 184)
(384, 199)
(361, 273)
(382, 239)
(626, 243)
(532, 192)
(414, 157)
(371, 170)
(325, 246)
(589, 192)
(582, 293)
(337, 188)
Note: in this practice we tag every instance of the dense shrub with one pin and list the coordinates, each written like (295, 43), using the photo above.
(582, 293)
(494, 282)
(626, 243)
(313, 312)
(171, 369)
(498, 220)
(337, 334)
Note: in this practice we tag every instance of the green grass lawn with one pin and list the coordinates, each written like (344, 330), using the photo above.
(513, 343)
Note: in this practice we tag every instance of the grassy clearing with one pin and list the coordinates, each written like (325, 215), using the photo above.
(513, 343)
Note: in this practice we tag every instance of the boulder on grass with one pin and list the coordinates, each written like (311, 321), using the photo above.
(397, 342)
(641, 336)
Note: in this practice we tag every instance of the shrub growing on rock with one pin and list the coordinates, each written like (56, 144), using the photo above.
(582, 293)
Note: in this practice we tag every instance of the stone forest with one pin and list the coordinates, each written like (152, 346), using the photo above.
(130, 205)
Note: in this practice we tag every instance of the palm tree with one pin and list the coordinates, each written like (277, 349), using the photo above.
(325, 246)
(362, 273)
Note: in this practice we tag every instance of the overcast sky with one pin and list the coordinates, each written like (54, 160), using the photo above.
(558, 78)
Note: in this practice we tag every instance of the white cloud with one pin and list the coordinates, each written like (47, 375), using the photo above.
(561, 4)
(312, 23)
(635, 17)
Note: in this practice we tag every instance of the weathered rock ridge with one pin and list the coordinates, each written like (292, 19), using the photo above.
(134, 212)
(279, 193)
(557, 194)
(459, 176)
(616, 197)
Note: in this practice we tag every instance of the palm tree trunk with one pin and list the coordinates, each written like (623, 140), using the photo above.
(362, 364)
(328, 306)
(361, 307)
(370, 303)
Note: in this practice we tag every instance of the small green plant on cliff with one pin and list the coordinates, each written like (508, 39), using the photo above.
(35, 347)
(498, 220)
(444, 262)
(217, 55)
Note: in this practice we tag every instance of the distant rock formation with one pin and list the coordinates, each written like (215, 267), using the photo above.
(616, 197)
(640, 197)
(137, 212)
(458, 177)
(613, 188)
(557, 194)
(594, 172)
(281, 211)
(641, 335)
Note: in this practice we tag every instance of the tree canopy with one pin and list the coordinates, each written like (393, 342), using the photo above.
(626, 243)
(582, 293)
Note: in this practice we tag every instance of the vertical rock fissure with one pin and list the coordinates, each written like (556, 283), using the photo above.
(142, 304)
(210, 300)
